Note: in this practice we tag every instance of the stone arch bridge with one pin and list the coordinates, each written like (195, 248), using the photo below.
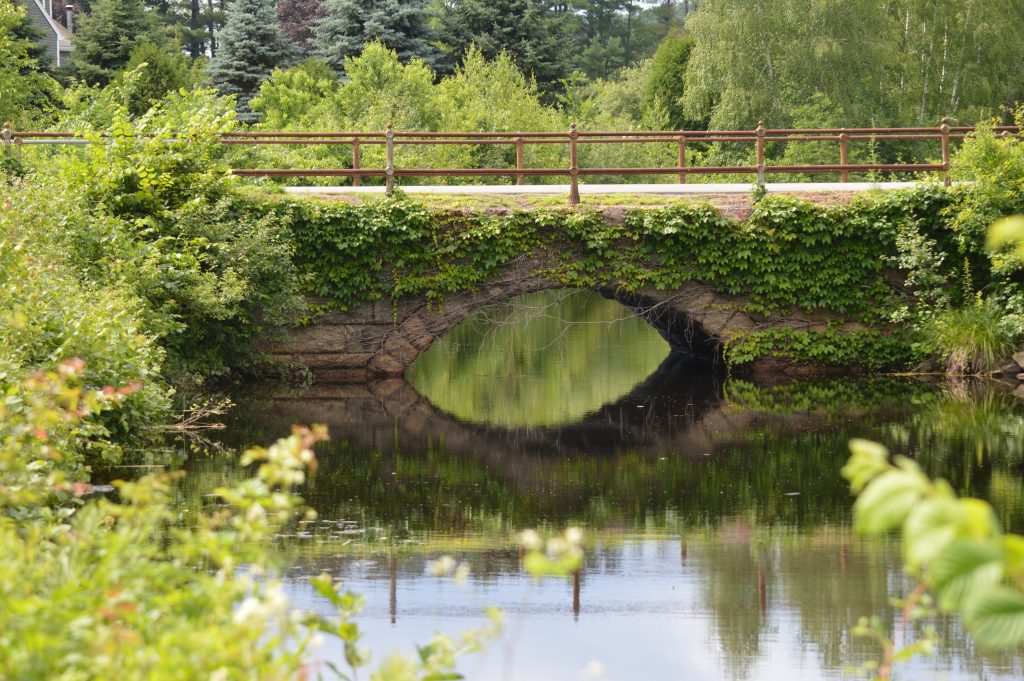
(382, 339)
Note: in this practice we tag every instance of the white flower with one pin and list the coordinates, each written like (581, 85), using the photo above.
(530, 540)
(442, 567)
(574, 536)
(249, 611)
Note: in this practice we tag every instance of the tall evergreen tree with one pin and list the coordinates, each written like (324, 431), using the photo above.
(104, 38)
(533, 32)
(400, 25)
(250, 47)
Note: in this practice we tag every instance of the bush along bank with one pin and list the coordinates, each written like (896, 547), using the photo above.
(872, 275)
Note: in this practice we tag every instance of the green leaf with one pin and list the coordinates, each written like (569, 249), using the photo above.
(867, 460)
(1008, 230)
(965, 570)
(324, 585)
(931, 526)
(996, 619)
(886, 501)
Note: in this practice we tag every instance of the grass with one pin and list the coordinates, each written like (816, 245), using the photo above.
(970, 340)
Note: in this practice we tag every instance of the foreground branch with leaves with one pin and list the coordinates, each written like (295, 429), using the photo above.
(962, 559)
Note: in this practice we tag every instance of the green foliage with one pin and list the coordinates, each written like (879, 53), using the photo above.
(251, 46)
(379, 89)
(23, 88)
(868, 349)
(163, 71)
(349, 25)
(971, 339)
(954, 547)
(557, 557)
(667, 83)
(787, 254)
(292, 95)
(105, 37)
(150, 210)
(153, 164)
(49, 311)
(877, 62)
(534, 36)
(126, 589)
(46, 431)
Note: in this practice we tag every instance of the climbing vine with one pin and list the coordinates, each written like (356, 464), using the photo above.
(872, 262)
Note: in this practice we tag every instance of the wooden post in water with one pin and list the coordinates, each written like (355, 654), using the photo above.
(393, 588)
(844, 175)
(519, 160)
(760, 152)
(682, 159)
(574, 170)
(576, 595)
(356, 179)
(389, 165)
(944, 128)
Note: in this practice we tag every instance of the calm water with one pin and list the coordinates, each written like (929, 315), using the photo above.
(717, 525)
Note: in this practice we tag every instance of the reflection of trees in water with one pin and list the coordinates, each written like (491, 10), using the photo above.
(398, 464)
(396, 460)
(734, 591)
(543, 359)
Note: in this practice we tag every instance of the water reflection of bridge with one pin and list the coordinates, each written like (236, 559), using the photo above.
(676, 409)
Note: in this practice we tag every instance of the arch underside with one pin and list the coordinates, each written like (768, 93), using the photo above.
(382, 338)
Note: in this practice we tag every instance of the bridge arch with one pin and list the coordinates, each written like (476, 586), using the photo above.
(382, 338)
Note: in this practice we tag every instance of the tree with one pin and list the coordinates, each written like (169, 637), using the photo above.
(533, 33)
(667, 82)
(104, 38)
(958, 59)
(296, 95)
(22, 87)
(755, 59)
(251, 46)
(164, 71)
(349, 25)
(297, 18)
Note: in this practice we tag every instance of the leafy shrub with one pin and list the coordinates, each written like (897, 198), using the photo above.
(96, 588)
(152, 210)
(114, 590)
(971, 339)
(49, 311)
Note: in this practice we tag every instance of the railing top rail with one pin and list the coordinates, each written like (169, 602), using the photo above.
(779, 134)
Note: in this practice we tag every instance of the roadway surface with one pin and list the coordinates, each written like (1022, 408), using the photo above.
(585, 189)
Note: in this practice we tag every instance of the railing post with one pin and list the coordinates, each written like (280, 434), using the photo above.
(760, 152)
(7, 135)
(944, 128)
(844, 175)
(389, 163)
(519, 160)
(574, 170)
(682, 159)
(357, 181)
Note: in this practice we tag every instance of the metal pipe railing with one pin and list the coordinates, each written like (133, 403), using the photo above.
(13, 142)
